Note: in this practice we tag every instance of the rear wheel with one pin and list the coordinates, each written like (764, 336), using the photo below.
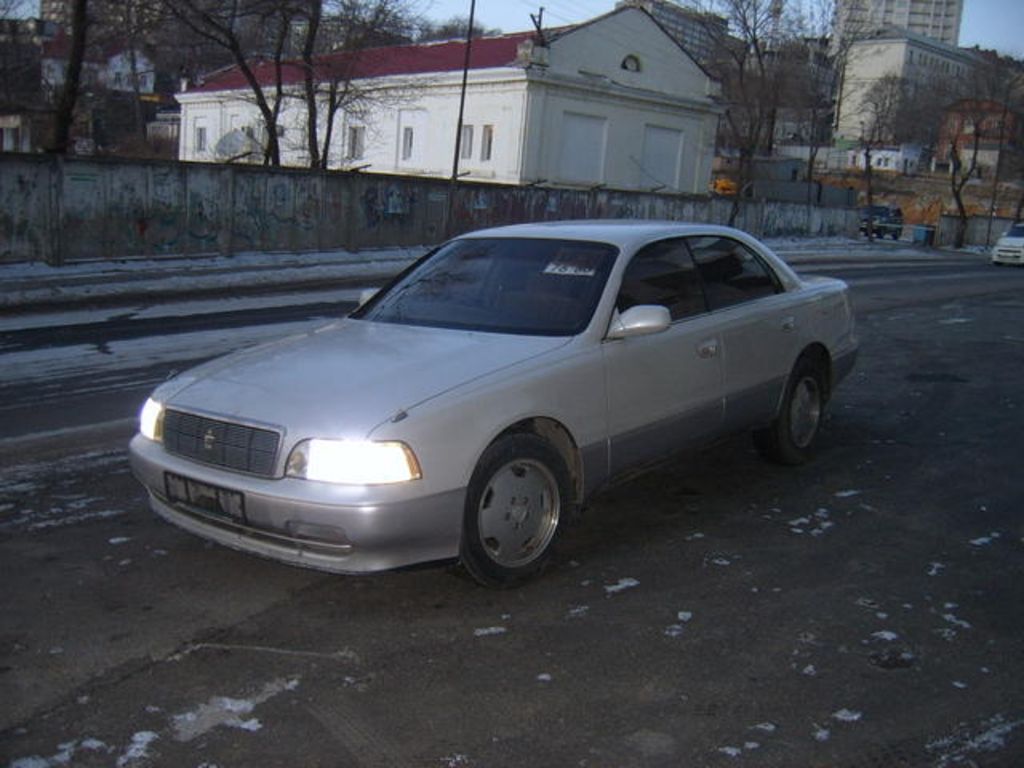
(518, 497)
(790, 438)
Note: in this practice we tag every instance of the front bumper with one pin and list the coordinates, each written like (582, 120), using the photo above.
(340, 529)
(1008, 256)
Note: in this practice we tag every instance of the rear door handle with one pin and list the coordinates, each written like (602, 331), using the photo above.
(707, 349)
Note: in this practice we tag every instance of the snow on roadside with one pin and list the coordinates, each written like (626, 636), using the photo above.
(60, 362)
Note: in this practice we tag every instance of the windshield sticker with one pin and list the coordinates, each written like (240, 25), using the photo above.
(569, 269)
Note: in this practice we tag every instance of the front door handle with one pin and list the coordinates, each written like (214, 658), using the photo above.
(707, 349)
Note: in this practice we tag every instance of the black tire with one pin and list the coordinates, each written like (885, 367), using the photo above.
(791, 437)
(895, 235)
(518, 499)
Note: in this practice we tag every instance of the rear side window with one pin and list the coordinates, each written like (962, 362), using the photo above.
(731, 272)
(663, 273)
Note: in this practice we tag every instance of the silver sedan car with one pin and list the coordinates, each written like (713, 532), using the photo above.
(470, 407)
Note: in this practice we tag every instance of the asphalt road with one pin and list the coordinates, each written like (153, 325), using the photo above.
(861, 611)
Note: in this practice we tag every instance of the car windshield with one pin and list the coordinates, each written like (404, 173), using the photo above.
(1017, 230)
(499, 285)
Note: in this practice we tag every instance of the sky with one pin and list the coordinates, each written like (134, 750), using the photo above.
(988, 23)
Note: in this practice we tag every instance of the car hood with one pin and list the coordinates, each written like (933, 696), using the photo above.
(346, 378)
(1010, 242)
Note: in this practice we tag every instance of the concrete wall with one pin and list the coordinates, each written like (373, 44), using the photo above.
(979, 230)
(64, 210)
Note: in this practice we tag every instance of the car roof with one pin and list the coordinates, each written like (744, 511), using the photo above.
(625, 233)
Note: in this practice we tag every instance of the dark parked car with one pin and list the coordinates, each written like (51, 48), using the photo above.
(883, 219)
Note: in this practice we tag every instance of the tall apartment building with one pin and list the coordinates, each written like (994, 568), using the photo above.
(697, 32)
(58, 11)
(937, 19)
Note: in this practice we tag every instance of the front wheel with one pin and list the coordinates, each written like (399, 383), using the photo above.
(790, 438)
(518, 496)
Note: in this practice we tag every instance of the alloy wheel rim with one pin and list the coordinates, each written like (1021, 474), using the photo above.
(805, 412)
(518, 513)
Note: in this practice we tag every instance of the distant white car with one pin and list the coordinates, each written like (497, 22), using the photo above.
(1009, 249)
(472, 405)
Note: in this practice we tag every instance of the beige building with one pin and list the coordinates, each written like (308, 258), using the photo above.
(921, 61)
(936, 19)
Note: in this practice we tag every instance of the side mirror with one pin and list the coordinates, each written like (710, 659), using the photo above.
(641, 320)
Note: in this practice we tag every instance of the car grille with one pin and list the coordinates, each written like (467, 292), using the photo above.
(221, 443)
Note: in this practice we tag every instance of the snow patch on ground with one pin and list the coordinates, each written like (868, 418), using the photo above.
(135, 752)
(816, 525)
(621, 585)
(954, 750)
(489, 631)
(20, 489)
(138, 750)
(226, 711)
(847, 715)
(984, 541)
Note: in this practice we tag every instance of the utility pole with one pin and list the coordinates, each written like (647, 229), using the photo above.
(458, 127)
(999, 162)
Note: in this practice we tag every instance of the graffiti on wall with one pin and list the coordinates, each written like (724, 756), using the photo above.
(66, 209)
(386, 203)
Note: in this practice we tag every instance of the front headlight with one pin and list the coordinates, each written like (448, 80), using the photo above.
(353, 462)
(151, 420)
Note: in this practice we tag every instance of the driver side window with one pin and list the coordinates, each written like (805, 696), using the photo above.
(663, 273)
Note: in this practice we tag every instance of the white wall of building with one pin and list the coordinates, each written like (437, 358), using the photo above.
(587, 118)
(920, 61)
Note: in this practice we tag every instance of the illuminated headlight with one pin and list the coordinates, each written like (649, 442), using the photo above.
(353, 462)
(151, 420)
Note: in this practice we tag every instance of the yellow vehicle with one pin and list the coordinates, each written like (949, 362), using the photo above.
(723, 186)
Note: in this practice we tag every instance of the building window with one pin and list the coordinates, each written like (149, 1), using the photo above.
(356, 142)
(487, 142)
(407, 138)
(466, 143)
(200, 141)
(631, 63)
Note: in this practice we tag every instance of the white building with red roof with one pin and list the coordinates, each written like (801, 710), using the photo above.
(612, 102)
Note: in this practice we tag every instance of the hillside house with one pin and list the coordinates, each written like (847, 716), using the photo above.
(995, 128)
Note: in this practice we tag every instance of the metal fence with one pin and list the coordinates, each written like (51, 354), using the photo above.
(64, 210)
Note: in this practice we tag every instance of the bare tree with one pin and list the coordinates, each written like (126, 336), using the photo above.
(813, 90)
(247, 30)
(130, 24)
(65, 113)
(452, 29)
(880, 113)
(345, 28)
(979, 117)
(20, 59)
(747, 63)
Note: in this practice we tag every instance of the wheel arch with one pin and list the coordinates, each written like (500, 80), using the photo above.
(559, 436)
(818, 354)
